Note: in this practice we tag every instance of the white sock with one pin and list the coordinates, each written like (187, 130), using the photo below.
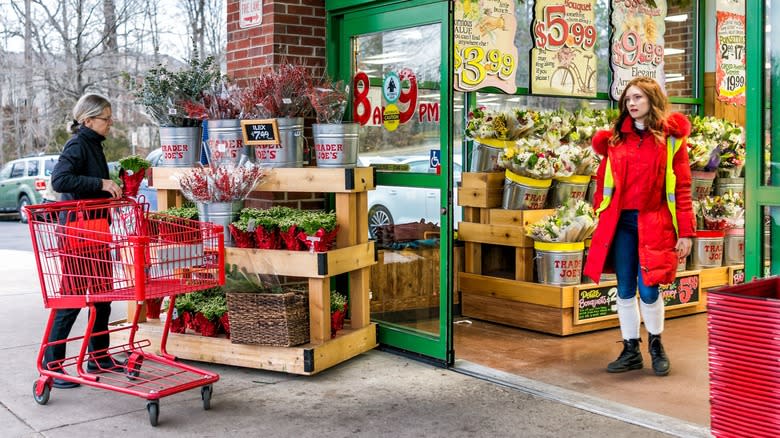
(628, 314)
(653, 315)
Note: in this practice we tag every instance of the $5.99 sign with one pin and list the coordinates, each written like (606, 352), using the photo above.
(553, 31)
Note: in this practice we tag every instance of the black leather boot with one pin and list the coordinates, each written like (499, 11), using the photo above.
(630, 358)
(660, 361)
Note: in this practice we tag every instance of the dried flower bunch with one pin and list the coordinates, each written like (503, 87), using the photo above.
(574, 221)
(721, 212)
(278, 93)
(329, 100)
(220, 184)
(222, 101)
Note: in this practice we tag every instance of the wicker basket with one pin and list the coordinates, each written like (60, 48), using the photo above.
(279, 320)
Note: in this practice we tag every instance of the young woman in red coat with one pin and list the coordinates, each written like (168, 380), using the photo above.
(635, 235)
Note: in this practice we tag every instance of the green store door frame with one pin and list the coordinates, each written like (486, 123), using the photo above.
(762, 190)
(346, 21)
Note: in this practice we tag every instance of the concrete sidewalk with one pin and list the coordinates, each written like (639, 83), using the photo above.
(375, 394)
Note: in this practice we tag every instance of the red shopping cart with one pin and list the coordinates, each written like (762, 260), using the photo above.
(95, 251)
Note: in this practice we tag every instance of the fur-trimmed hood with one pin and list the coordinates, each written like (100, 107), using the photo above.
(677, 124)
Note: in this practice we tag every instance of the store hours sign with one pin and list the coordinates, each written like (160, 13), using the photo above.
(637, 46)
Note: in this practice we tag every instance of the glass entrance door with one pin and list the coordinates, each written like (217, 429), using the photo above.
(396, 60)
(762, 169)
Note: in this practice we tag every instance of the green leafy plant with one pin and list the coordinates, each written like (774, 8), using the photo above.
(337, 301)
(311, 221)
(182, 212)
(239, 280)
(134, 163)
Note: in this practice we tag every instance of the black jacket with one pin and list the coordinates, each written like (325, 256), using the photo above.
(82, 167)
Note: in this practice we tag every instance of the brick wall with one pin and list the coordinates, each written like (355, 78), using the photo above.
(292, 31)
(681, 35)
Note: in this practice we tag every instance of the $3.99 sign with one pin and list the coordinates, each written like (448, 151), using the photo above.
(473, 64)
(554, 31)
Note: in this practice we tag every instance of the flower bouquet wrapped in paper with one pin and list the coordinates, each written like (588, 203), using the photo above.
(531, 157)
(588, 121)
(223, 101)
(329, 100)
(720, 212)
(574, 221)
(555, 125)
(220, 184)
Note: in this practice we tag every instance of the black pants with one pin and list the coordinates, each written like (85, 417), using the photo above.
(63, 322)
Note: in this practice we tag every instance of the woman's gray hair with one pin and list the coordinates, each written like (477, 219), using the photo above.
(89, 105)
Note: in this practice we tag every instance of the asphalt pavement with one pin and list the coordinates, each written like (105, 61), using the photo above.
(377, 394)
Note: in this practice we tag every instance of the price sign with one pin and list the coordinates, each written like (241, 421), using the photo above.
(682, 292)
(485, 55)
(730, 57)
(637, 45)
(563, 60)
(262, 131)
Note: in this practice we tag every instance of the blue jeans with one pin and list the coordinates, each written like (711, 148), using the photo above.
(625, 249)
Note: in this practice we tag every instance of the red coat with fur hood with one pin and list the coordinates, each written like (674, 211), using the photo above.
(657, 239)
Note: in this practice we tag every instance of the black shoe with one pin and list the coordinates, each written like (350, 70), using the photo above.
(661, 364)
(64, 384)
(103, 365)
(630, 358)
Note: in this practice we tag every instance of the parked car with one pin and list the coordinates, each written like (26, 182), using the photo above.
(398, 205)
(23, 182)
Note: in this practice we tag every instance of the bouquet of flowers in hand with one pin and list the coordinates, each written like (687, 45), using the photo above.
(220, 184)
(574, 221)
(531, 157)
(720, 212)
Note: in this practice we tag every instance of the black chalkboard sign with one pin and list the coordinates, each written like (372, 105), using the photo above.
(595, 304)
(684, 291)
(260, 131)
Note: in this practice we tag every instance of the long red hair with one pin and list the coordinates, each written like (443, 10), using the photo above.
(655, 120)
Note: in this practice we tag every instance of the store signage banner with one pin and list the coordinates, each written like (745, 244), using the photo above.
(730, 51)
(563, 60)
(485, 54)
(637, 46)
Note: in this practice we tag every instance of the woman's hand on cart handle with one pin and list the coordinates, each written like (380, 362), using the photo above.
(683, 246)
(112, 188)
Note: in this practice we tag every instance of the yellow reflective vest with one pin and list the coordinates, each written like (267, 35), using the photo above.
(672, 146)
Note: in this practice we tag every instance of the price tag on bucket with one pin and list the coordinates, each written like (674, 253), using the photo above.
(261, 131)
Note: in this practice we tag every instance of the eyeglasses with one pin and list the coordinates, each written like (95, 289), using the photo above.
(105, 119)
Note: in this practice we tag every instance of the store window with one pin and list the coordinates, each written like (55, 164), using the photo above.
(681, 49)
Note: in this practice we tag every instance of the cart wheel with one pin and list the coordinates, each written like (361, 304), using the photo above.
(205, 395)
(153, 407)
(42, 398)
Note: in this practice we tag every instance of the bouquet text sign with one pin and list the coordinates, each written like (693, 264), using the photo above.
(637, 46)
(485, 54)
(730, 51)
(563, 57)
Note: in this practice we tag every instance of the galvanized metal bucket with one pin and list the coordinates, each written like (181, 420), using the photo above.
(289, 151)
(701, 184)
(682, 262)
(734, 185)
(734, 247)
(707, 251)
(559, 263)
(220, 213)
(570, 187)
(522, 193)
(180, 146)
(225, 142)
(336, 144)
(484, 155)
(591, 191)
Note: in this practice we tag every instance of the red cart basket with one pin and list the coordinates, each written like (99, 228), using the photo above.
(743, 324)
(96, 251)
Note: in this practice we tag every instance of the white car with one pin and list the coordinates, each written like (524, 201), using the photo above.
(398, 205)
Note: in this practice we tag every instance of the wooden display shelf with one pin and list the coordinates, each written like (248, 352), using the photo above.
(306, 359)
(353, 255)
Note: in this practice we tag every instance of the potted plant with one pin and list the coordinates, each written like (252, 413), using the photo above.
(335, 143)
(338, 311)
(132, 170)
(173, 99)
(281, 94)
(318, 230)
(261, 312)
(209, 307)
(289, 230)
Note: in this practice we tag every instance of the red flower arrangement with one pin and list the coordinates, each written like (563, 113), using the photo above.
(220, 184)
(278, 93)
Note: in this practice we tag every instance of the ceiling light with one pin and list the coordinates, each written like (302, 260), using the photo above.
(677, 18)
(668, 51)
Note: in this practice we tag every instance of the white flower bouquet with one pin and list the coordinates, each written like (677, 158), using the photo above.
(574, 221)
(531, 157)
(488, 124)
(720, 212)
(589, 121)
